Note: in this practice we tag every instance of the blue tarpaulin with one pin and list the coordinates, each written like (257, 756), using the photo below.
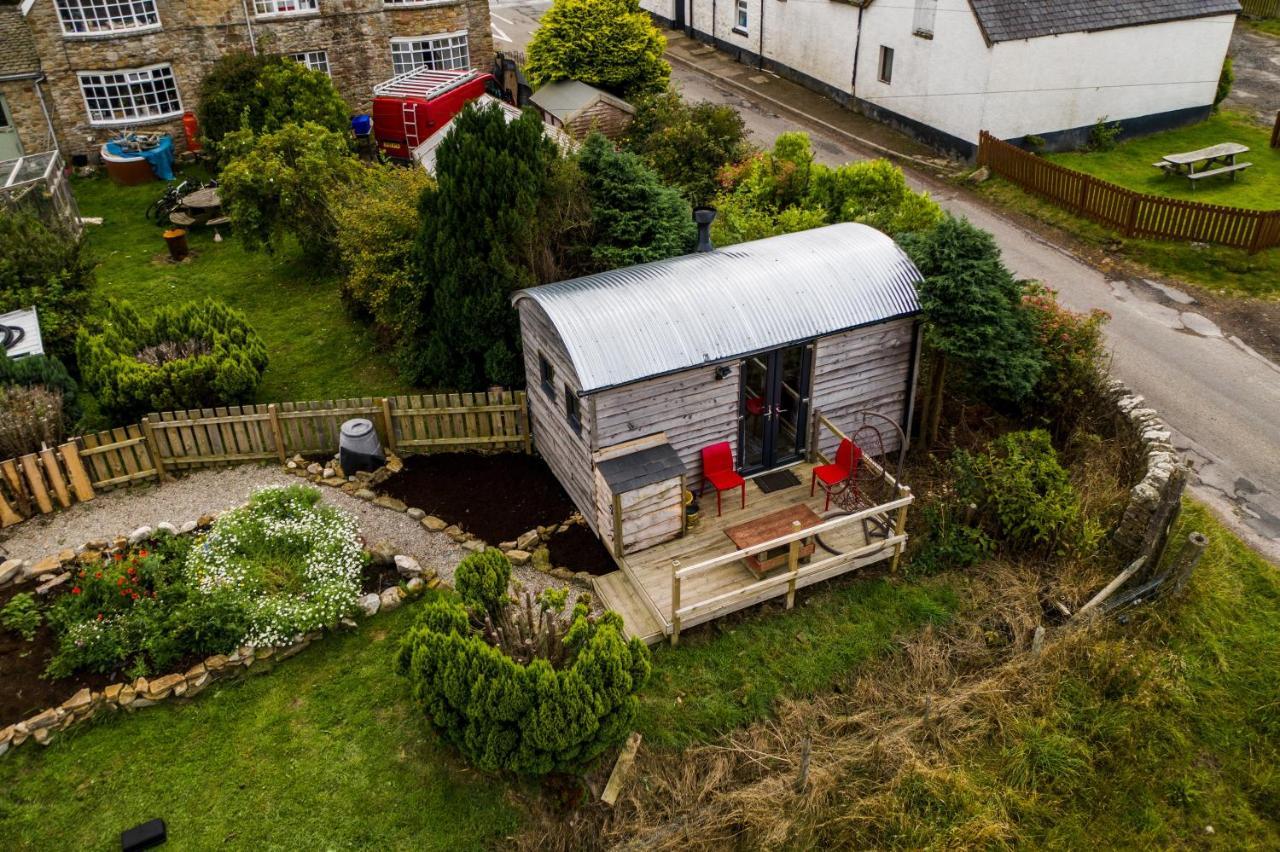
(160, 157)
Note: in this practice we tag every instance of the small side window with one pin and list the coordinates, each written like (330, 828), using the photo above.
(572, 409)
(547, 374)
(886, 64)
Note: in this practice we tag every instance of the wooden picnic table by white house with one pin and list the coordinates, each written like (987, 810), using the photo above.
(1215, 160)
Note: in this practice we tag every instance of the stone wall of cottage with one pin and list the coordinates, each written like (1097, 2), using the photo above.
(356, 35)
(28, 118)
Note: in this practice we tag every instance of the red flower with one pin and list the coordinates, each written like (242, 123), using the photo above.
(99, 616)
(119, 581)
(119, 557)
(75, 590)
(97, 575)
(142, 553)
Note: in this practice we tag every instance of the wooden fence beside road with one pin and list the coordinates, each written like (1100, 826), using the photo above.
(1261, 8)
(172, 441)
(1134, 214)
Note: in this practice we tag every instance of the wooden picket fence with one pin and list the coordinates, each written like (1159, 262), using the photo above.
(172, 441)
(1275, 131)
(1261, 8)
(1135, 214)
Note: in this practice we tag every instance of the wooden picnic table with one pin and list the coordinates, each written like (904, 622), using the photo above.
(767, 528)
(1206, 162)
(202, 207)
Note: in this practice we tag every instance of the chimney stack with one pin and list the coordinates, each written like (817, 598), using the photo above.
(704, 216)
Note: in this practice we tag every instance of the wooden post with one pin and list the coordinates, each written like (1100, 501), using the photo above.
(617, 525)
(8, 515)
(814, 432)
(277, 434)
(388, 423)
(54, 474)
(1186, 560)
(684, 514)
(35, 481)
(900, 527)
(1131, 220)
(80, 482)
(675, 601)
(793, 565)
(153, 447)
(523, 401)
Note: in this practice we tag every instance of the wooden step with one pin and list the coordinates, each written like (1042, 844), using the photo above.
(618, 594)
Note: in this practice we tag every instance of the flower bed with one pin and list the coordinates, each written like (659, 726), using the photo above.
(256, 584)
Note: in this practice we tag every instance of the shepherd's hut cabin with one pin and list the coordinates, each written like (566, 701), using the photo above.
(730, 423)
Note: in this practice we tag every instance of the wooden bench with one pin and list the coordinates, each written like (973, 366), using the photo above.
(1221, 170)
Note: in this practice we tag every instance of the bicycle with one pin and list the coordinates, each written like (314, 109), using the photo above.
(159, 210)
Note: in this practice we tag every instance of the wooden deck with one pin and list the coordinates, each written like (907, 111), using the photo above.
(713, 579)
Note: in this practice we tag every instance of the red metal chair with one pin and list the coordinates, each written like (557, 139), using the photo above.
(717, 468)
(832, 476)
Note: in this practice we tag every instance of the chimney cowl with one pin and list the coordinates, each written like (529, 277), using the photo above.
(704, 217)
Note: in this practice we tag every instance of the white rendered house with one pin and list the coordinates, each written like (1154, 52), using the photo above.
(945, 69)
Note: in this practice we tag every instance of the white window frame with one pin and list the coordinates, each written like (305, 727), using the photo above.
(431, 45)
(926, 15)
(284, 8)
(107, 17)
(742, 17)
(315, 60)
(409, 4)
(136, 117)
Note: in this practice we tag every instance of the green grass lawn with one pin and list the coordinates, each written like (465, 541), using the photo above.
(1217, 268)
(1270, 26)
(324, 752)
(316, 350)
(1130, 163)
(730, 673)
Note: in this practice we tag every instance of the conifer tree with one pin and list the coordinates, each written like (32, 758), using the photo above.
(611, 44)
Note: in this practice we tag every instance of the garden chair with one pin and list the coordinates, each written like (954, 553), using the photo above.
(835, 478)
(717, 468)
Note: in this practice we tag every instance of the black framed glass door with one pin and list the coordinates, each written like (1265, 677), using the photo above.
(774, 407)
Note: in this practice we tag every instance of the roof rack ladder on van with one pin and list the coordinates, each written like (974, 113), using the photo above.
(410, 112)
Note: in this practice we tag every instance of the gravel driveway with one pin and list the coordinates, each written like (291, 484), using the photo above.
(211, 491)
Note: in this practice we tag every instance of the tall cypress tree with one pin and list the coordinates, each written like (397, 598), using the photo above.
(478, 230)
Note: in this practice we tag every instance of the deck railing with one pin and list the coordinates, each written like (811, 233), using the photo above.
(797, 575)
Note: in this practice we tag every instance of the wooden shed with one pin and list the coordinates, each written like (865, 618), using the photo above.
(771, 346)
(579, 109)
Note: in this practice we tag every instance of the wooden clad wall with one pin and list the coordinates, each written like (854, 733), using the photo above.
(692, 407)
(566, 452)
(649, 515)
(602, 117)
(867, 368)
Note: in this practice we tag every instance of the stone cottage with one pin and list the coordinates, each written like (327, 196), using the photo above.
(25, 124)
(102, 65)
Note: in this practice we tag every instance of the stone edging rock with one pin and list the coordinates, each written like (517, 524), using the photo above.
(1165, 474)
(143, 692)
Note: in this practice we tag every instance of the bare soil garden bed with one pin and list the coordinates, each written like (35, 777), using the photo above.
(495, 497)
(578, 549)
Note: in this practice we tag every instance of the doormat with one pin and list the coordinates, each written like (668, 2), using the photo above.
(776, 481)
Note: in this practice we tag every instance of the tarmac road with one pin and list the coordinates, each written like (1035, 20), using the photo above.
(1221, 399)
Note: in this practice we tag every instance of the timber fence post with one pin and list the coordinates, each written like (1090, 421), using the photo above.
(153, 448)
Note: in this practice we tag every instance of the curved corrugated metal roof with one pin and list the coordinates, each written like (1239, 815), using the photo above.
(642, 321)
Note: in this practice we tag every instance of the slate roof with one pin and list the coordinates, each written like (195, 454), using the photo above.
(1009, 20)
(17, 46)
(638, 469)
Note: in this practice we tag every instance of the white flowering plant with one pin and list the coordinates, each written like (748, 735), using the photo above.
(293, 562)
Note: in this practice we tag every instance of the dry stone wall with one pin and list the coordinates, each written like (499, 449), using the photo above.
(356, 35)
(1154, 500)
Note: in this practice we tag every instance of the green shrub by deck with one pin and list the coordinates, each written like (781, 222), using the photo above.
(48, 372)
(195, 355)
(530, 719)
(481, 580)
(1023, 494)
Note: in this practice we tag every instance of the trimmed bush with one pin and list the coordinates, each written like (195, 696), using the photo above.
(530, 719)
(29, 418)
(45, 267)
(1075, 358)
(611, 44)
(481, 580)
(195, 355)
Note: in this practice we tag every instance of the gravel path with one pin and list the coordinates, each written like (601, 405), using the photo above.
(211, 491)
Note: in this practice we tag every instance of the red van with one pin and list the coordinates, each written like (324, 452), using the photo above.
(410, 107)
